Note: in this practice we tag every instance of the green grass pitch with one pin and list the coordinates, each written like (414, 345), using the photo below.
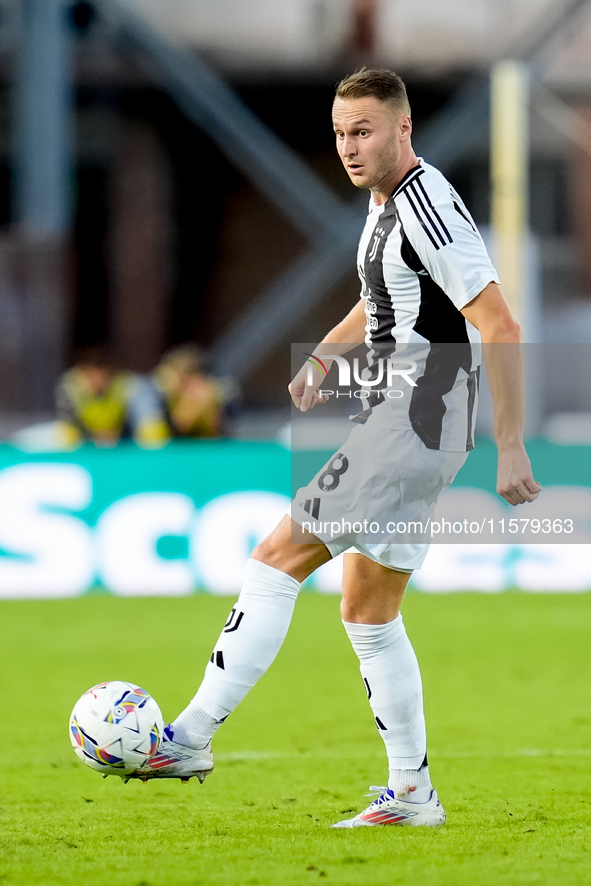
(509, 716)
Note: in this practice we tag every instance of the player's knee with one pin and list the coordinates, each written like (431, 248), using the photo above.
(263, 552)
(270, 551)
(352, 610)
(363, 615)
(359, 605)
(345, 611)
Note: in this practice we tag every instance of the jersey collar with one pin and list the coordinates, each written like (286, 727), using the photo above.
(410, 176)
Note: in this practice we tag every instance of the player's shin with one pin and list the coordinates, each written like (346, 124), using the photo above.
(392, 679)
(247, 646)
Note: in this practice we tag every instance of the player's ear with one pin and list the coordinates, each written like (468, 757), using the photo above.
(405, 127)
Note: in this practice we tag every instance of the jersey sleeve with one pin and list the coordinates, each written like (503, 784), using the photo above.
(446, 240)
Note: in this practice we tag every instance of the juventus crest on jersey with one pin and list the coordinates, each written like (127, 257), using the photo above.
(421, 260)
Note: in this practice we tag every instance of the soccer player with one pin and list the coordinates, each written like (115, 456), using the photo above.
(426, 280)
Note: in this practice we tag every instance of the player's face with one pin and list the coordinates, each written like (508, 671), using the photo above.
(370, 138)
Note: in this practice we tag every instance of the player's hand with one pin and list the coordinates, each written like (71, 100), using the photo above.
(306, 396)
(515, 482)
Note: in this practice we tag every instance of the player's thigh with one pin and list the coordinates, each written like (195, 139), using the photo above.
(292, 550)
(372, 593)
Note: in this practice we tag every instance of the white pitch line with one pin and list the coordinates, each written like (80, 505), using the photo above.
(237, 756)
(256, 755)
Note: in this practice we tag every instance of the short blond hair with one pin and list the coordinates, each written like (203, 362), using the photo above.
(384, 85)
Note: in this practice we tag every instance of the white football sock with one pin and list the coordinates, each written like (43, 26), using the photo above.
(392, 679)
(195, 727)
(247, 646)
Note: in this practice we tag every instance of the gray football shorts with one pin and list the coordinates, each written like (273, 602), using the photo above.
(376, 496)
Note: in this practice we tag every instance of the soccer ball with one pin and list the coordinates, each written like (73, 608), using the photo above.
(115, 727)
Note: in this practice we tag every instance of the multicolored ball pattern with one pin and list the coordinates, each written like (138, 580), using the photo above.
(116, 727)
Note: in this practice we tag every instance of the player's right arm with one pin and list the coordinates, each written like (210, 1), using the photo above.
(500, 333)
(342, 338)
(450, 248)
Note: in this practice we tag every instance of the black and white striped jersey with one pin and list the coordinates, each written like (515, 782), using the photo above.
(420, 260)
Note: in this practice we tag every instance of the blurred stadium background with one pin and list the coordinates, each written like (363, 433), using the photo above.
(168, 178)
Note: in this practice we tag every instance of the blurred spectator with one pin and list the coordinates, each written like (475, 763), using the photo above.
(194, 401)
(97, 401)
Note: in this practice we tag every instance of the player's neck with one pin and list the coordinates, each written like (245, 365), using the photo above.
(385, 189)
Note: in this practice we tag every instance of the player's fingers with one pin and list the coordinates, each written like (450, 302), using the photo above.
(511, 492)
(533, 486)
(319, 398)
(518, 494)
(511, 497)
(295, 396)
(526, 492)
(307, 400)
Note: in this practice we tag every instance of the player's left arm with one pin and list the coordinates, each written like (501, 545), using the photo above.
(500, 333)
(342, 338)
